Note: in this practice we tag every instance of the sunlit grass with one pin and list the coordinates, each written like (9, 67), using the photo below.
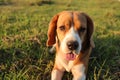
(23, 35)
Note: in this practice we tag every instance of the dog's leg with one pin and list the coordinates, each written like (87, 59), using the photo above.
(56, 74)
(78, 72)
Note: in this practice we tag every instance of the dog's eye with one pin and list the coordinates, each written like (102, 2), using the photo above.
(82, 29)
(62, 28)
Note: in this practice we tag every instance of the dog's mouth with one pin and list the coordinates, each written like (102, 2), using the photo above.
(70, 56)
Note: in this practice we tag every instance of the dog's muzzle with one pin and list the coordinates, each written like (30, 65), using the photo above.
(72, 46)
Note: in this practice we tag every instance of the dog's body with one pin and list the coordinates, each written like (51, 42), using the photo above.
(71, 34)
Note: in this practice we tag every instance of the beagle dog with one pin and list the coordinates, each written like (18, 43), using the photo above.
(70, 32)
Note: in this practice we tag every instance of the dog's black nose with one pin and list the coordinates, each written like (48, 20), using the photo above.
(72, 45)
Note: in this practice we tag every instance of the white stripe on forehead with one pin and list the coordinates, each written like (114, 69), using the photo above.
(72, 34)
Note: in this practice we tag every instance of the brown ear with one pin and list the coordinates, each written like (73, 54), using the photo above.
(52, 31)
(90, 29)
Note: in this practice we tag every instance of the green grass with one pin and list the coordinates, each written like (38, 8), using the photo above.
(23, 28)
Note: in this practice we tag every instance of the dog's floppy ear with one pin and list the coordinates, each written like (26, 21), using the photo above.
(90, 29)
(52, 31)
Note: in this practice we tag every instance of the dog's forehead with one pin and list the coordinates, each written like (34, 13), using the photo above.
(71, 18)
(80, 19)
(79, 16)
(65, 18)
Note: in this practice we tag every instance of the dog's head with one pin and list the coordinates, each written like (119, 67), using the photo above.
(71, 31)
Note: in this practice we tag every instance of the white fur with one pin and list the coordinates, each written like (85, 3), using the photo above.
(53, 49)
(71, 35)
(67, 65)
(78, 72)
(56, 75)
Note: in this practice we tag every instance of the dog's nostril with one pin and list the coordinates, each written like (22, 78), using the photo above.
(75, 44)
(69, 44)
(72, 45)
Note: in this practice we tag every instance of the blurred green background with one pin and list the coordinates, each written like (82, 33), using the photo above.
(23, 35)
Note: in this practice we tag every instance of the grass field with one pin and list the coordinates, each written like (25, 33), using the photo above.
(23, 28)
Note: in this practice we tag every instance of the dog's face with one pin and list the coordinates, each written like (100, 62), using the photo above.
(72, 32)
